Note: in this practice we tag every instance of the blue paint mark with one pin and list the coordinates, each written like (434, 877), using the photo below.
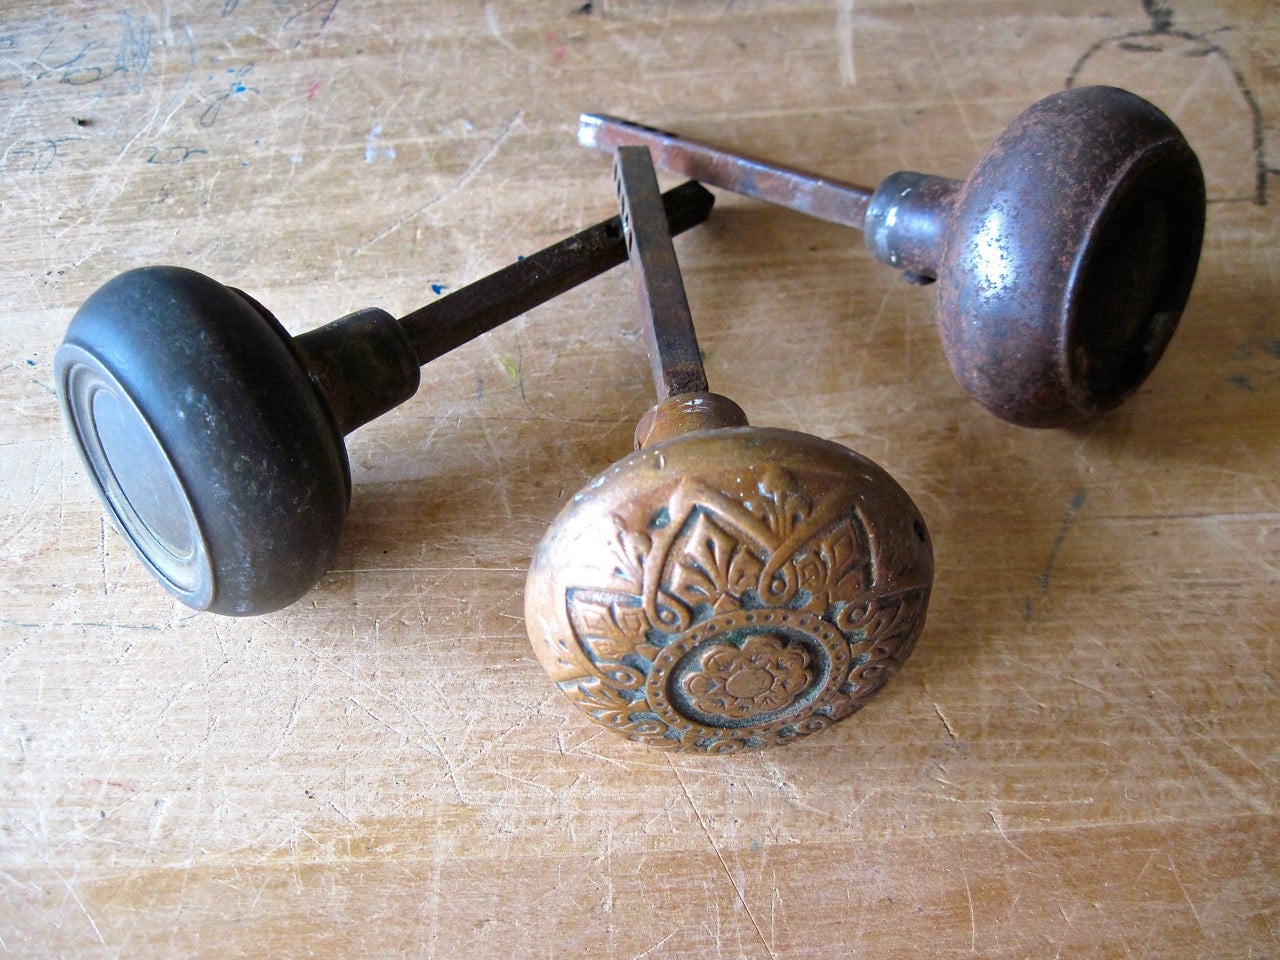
(238, 86)
(519, 258)
(438, 288)
(372, 151)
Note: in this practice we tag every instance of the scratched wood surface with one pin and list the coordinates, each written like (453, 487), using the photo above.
(1081, 759)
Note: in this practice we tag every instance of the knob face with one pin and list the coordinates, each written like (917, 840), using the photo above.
(210, 449)
(730, 589)
(1069, 256)
(145, 498)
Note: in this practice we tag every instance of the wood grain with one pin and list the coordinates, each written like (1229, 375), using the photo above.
(1081, 759)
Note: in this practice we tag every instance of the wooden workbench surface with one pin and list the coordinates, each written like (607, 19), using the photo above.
(1081, 759)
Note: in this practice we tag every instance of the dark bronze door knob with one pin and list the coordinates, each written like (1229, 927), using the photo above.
(1064, 260)
(215, 439)
(726, 587)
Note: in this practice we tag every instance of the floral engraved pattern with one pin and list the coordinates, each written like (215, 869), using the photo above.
(734, 619)
(765, 675)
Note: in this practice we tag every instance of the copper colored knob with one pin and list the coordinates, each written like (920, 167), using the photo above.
(726, 587)
(729, 589)
(1064, 260)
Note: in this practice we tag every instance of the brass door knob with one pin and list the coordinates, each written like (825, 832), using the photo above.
(215, 440)
(1064, 261)
(726, 587)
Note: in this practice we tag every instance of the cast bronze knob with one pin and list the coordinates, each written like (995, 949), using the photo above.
(1064, 260)
(215, 439)
(726, 587)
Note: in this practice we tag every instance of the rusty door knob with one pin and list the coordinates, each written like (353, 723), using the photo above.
(215, 439)
(725, 587)
(1064, 260)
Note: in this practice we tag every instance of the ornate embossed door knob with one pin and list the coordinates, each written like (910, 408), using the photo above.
(726, 587)
(215, 440)
(1064, 260)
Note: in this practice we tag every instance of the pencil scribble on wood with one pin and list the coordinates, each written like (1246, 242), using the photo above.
(1162, 37)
